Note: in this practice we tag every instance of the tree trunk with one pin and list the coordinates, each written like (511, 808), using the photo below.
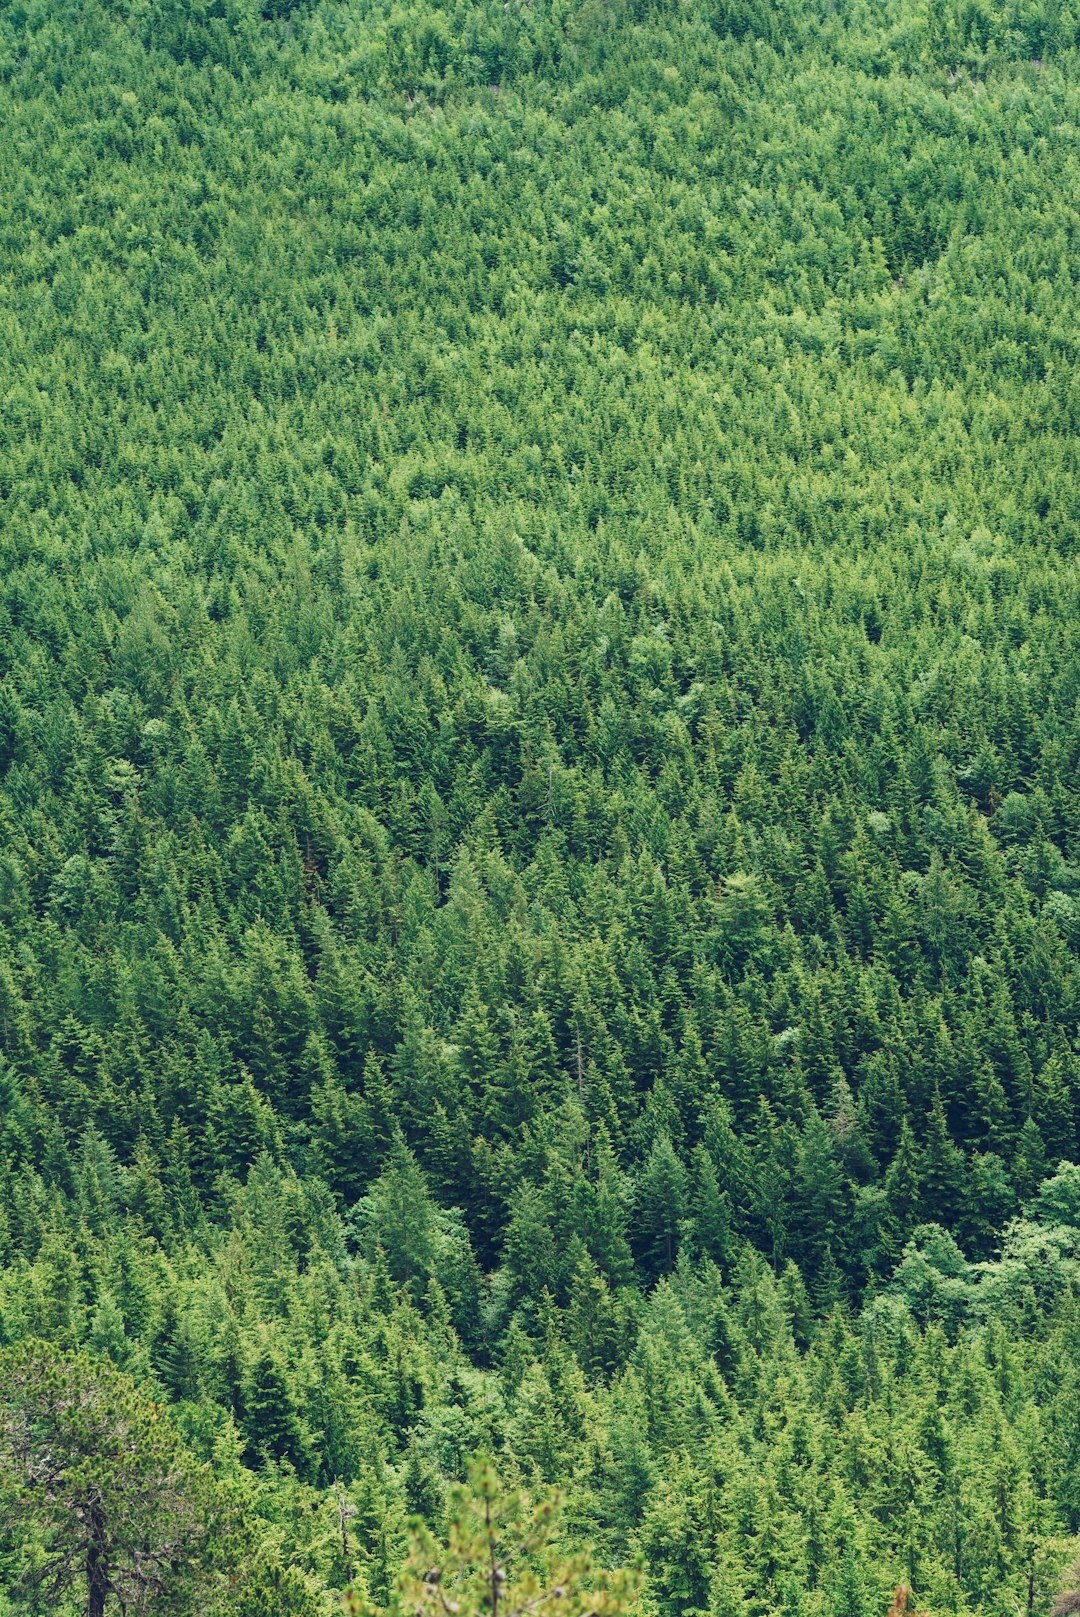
(97, 1577)
(97, 1588)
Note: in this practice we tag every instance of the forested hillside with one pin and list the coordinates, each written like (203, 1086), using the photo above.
(539, 747)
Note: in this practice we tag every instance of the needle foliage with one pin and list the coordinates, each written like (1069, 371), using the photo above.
(539, 732)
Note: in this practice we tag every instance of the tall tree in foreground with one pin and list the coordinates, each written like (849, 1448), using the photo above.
(96, 1488)
(500, 1560)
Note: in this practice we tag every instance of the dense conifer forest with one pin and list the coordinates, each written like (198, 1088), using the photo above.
(539, 829)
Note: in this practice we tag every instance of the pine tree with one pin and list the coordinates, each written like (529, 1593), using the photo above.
(710, 1210)
(97, 1482)
(1030, 1166)
(903, 1187)
(942, 1169)
(272, 1426)
(661, 1205)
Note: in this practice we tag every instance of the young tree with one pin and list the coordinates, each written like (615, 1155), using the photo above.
(500, 1559)
(96, 1489)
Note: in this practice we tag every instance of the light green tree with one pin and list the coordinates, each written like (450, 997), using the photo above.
(501, 1558)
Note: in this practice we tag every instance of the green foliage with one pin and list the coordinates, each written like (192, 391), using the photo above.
(500, 1556)
(96, 1490)
(540, 861)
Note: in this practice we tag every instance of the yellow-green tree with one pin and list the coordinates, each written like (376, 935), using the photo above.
(501, 1557)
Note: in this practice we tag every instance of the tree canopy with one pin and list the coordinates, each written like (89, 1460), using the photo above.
(539, 731)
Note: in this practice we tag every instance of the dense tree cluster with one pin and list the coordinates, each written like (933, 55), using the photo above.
(539, 730)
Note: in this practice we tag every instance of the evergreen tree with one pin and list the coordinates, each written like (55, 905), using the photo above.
(661, 1204)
